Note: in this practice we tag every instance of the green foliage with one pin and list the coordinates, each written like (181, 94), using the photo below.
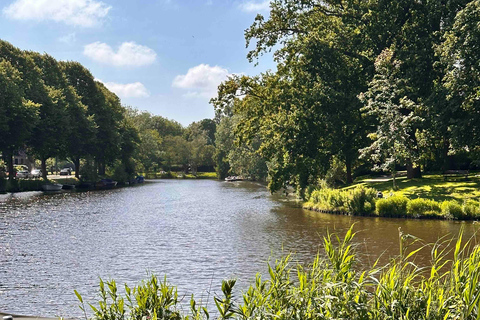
(30, 185)
(394, 114)
(361, 200)
(471, 209)
(357, 201)
(394, 206)
(423, 207)
(336, 175)
(88, 172)
(452, 209)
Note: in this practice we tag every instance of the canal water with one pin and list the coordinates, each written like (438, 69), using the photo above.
(196, 232)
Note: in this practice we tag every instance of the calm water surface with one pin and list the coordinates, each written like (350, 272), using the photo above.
(197, 232)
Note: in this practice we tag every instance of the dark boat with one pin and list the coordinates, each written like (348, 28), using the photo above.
(52, 187)
(106, 184)
(85, 185)
(68, 187)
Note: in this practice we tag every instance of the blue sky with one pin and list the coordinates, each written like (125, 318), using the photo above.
(163, 56)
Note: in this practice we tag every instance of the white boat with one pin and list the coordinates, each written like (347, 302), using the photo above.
(233, 178)
(52, 187)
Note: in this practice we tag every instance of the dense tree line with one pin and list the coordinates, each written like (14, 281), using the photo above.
(53, 108)
(166, 144)
(56, 109)
(383, 84)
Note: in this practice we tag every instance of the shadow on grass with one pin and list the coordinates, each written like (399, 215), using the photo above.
(432, 187)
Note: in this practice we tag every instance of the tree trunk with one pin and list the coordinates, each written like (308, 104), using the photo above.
(11, 169)
(446, 147)
(348, 164)
(76, 163)
(101, 168)
(394, 181)
(44, 169)
(413, 172)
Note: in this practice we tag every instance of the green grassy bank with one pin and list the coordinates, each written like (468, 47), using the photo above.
(180, 175)
(432, 187)
(429, 197)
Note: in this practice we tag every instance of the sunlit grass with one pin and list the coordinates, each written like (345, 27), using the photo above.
(429, 187)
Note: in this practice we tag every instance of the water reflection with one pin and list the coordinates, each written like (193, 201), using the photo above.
(196, 232)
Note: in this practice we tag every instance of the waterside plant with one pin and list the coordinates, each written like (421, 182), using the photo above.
(332, 287)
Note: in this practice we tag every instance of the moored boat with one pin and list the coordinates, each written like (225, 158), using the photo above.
(68, 186)
(52, 187)
(233, 178)
(106, 183)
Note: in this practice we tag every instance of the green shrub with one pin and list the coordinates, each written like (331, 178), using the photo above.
(308, 191)
(395, 206)
(471, 209)
(361, 200)
(167, 175)
(452, 209)
(329, 199)
(423, 207)
(30, 185)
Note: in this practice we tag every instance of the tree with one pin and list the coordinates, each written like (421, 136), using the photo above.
(50, 132)
(224, 138)
(460, 56)
(385, 100)
(17, 115)
(176, 152)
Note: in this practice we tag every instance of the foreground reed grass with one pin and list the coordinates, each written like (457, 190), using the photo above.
(332, 287)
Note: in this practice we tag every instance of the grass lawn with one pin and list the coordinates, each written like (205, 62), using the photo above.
(202, 175)
(429, 187)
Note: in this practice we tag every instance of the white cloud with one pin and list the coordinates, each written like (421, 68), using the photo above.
(127, 90)
(69, 38)
(202, 80)
(84, 13)
(128, 54)
(255, 6)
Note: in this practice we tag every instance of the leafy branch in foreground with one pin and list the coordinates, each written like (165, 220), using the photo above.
(332, 287)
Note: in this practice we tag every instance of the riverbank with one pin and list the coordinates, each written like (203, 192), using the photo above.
(428, 198)
(180, 175)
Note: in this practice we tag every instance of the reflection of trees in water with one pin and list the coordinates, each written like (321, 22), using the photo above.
(302, 231)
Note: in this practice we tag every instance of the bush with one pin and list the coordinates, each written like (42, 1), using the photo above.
(471, 209)
(361, 200)
(30, 185)
(329, 199)
(395, 206)
(423, 207)
(167, 175)
(336, 175)
(451, 209)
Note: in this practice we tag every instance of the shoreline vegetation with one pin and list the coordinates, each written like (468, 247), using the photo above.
(333, 286)
(426, 198)
(26, 185)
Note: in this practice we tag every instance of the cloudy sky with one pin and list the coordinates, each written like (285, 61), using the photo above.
(163, 56)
